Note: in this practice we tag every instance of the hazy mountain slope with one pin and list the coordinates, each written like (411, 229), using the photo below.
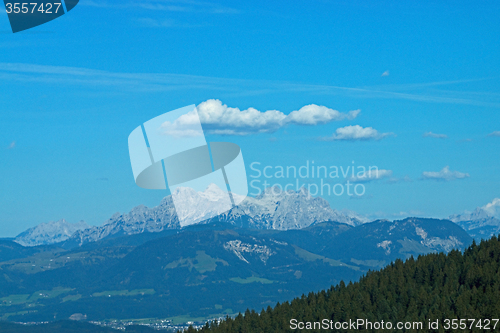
(11, 250)
(380, 242)
(49, 233)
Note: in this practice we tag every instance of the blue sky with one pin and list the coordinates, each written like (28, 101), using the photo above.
(73, 89)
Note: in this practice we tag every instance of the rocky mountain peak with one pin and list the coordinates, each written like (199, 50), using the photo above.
(50, 232)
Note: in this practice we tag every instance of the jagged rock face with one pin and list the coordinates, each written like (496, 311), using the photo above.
(49, 233)
(276, 209)
(239, 248)
(140, 219)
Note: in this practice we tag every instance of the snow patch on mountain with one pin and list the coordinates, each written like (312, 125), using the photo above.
(386, 245)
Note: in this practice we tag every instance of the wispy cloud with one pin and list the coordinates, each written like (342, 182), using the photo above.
(165, 5)
(12, 145)
(218, 118)
(371, 175)
(386, 73)
(356, 133)
(166, 23)
(153, 82)
(434, 135)
(444, 175)
(496, 133)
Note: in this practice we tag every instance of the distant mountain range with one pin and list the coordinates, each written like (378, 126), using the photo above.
(272, 209)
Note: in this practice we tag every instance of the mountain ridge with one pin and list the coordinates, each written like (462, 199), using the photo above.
(272, 209)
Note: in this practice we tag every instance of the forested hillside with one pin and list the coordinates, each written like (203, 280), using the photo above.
(463, 286)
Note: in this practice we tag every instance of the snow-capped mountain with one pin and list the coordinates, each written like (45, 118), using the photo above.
(49, 233)
(483, 222)
(283, 210)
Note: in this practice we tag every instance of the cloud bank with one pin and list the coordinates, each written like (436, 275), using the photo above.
(218, 118)
(444, 175)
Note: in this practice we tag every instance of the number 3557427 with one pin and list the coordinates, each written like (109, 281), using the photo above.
(32, 8)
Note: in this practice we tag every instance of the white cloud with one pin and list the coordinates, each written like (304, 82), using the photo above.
(445, 174)
(356, 133)
(315, 114)
(12, 145)
(493, 208)
(386, 73)
(371, 175)
(218, 118)
(496, 133)
(434, 135)
(183, 127)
